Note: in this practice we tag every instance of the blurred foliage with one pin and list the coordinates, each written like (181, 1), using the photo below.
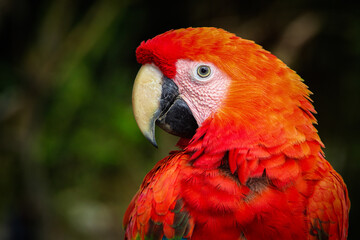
(71, 155)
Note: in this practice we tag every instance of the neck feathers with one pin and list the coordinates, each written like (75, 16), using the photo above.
(282, 151)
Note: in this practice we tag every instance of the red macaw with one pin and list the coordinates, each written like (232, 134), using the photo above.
(251, 164)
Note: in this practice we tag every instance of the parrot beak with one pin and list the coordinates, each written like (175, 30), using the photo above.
(156, 99)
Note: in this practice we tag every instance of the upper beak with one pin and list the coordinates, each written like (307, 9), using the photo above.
(156, 99)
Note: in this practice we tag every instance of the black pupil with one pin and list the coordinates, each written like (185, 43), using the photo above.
(204, 70)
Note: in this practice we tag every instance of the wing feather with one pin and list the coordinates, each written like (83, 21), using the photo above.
(328, 208)
(157, 211)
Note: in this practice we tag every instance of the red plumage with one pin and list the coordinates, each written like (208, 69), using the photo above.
(255, 168)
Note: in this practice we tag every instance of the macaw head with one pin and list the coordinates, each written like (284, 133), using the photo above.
(209, 82)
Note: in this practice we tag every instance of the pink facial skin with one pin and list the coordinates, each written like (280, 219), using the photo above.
(203, 95)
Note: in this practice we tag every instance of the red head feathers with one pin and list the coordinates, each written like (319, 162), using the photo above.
(267, 103)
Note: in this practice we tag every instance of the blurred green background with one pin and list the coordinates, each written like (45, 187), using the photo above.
(71, 155)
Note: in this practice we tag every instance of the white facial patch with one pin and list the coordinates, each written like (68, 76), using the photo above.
(203, 91)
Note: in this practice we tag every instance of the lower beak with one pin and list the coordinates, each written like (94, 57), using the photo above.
(156, 99)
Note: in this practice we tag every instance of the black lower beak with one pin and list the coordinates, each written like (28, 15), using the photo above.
(175, 116)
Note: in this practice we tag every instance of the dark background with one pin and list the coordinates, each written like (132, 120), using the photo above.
(71, 155)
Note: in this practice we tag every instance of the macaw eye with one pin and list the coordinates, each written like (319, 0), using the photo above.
(203, 71)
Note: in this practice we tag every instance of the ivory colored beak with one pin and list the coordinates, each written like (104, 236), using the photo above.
(146, 99)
